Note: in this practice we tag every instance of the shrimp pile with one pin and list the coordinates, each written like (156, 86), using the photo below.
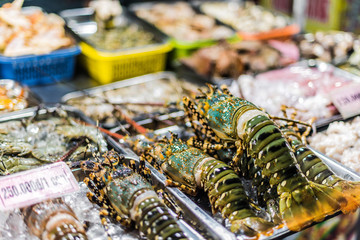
(30, 32)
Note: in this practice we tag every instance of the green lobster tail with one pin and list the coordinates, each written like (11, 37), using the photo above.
(351, 191)
(310, 203)
(156, 222)
(227, 195)
(315, 170)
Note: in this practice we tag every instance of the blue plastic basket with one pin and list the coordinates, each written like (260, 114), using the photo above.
(32, 70)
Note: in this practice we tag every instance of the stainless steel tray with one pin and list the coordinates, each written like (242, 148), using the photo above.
(203, 216)
(339, 168)
(137, 81)
(78, 173)
(118, 84)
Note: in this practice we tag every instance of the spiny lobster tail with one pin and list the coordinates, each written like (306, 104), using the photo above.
(53, 219)
(351, 191)
(309, 203)
(156, 222)
(316, 170)
(301, 202)
(227, 195)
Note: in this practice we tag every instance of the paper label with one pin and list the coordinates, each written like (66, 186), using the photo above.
(36, 185)
(347, 99)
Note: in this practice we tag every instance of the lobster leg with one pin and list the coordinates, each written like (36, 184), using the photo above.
(146, 156)
(225, 90)
(93, 188)
(98, 197)
(144, 171)
(103, 214)
(194, 115)
(186, 189)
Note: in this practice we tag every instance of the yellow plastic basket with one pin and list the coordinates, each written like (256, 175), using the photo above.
(107, 67)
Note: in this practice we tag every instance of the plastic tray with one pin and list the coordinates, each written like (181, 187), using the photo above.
(109, 66)
(184, 48)
(40, 69)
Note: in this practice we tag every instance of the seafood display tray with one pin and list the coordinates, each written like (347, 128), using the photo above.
(337, 72)
(330, 143)
(78, 173)
(108, 66)
(200, 214)
(183, 48)
(286, 32)
(116, 85)
(128, 83)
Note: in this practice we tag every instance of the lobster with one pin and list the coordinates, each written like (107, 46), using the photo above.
(230, 121)
(124, 194)
(317, 171)
(190, 169)
(53, 219)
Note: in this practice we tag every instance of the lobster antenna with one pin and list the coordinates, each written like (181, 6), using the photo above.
(108, 158)
(211, 91)
(98, 132)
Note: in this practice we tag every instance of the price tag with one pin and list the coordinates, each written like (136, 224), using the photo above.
(36, 185)
(347, 99)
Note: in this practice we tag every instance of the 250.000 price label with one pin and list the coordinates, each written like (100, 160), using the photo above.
(29, 187)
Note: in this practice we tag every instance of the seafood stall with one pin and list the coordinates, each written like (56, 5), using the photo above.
(179, 122)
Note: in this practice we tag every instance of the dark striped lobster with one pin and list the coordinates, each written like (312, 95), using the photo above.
(191, 169)
(230, 121)
(53, 219)
(126, 196)
(317, 171)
